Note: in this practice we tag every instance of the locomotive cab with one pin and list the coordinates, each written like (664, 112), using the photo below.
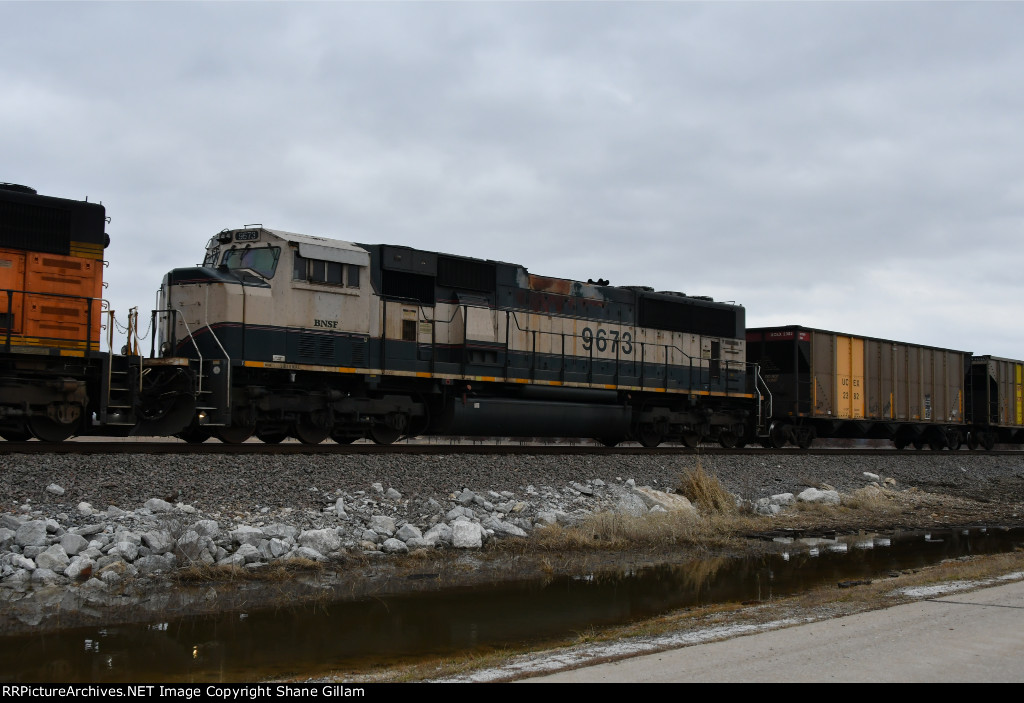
(267, 295)
(266, 298)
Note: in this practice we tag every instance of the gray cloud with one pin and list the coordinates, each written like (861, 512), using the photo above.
(854, 166)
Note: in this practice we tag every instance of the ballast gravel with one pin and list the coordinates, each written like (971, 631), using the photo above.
(249, 483)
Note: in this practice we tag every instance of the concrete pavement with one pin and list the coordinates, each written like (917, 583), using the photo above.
(964, 637)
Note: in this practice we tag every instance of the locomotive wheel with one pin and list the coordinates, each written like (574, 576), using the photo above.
(728, 439)
(271, 437)
(691, 440)
(234, 434)
(194, 435)
(382, 434)
(648, 436)
(347, 435)
(308, 433)
(46, 430)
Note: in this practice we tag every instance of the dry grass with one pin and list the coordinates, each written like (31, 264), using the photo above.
(871, 498)
(706, 492)
(618, 531)
(277, 571)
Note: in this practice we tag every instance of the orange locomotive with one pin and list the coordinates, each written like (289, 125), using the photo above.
(51, 272)
(55, 382)
(51, 282)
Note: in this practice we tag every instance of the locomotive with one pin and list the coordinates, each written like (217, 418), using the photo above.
(279, 335)
(55, 382)
(310, 337)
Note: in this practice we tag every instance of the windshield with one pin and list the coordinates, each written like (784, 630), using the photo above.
(263, 261)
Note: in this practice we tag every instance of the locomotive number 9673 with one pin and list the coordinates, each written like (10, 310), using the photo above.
(599, 340)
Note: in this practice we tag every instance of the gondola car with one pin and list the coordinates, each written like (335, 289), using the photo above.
(833, 385)
(995, 403)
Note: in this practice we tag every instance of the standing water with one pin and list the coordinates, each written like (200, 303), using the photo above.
(360, 635)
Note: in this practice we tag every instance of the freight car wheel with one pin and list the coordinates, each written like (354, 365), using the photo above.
(778, 436)
(608, 441)
(47, 430)
(972, 441)
(988, 440)
(16, 435)
(918, 444)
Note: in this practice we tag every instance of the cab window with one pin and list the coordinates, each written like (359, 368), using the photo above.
(263, 260)
(330, 273)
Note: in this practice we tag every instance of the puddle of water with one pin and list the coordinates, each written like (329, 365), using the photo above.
(378, 632)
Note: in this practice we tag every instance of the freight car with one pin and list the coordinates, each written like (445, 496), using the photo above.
(832, 385)
(302, 336)
(55, 381)
(995, 396)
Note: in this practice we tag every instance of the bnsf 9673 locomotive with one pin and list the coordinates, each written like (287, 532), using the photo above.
(315, 338)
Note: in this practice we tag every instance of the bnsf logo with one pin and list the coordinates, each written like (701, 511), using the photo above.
(332, 324)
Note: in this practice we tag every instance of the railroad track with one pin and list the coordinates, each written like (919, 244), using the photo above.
(284, 448)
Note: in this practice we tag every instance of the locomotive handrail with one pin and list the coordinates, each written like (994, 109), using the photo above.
(694, 363)
(174, 317)
(206, 319)
(762, 414)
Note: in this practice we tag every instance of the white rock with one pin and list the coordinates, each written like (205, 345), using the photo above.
(322, 541)
(382, 525)
(246, 534)
(80, 568)
(467, 535)
(813, 495)
(73, 544)
(407, 532)
(158, 505)
(53, 558)
(31, 534)
(394, 546)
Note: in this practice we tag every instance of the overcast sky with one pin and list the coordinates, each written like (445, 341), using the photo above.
(852, 166)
